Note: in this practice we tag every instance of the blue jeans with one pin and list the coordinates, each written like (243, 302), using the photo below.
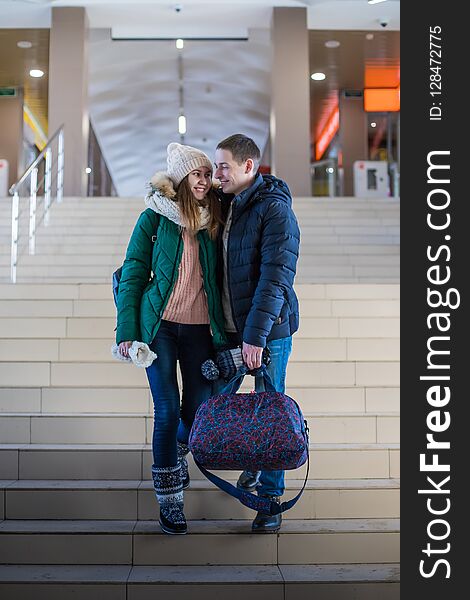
(191, 345)
(271, 483)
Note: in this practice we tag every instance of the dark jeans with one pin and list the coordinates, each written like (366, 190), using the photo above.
(191, 345)
(271, 483)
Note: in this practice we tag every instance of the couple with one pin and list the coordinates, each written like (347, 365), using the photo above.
(223, 263)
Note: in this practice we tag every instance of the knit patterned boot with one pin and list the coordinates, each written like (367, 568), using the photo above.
(182, 450)
(169, 491)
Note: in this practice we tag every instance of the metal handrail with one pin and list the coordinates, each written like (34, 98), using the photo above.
(35, 163)
(32, 170)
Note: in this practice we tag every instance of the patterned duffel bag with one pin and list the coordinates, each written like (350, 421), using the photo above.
(257, 431)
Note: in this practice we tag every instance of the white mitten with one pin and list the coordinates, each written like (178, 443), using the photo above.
(139, 354)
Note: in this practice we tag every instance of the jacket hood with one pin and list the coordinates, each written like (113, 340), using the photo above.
(274, 186)
(163, 185)
(161, 200)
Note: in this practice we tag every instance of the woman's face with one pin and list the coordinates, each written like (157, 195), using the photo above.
(200, 181)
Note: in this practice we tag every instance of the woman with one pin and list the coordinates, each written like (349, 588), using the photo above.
(177, 311)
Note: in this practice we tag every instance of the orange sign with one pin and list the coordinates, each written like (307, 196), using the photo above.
(382, 99)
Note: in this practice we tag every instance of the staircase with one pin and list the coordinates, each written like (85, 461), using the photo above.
(76, 498)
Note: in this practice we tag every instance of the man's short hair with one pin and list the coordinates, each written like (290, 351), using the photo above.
(242, 148)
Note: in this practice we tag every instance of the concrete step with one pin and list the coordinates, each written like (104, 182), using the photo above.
(119, 237)
(283, 582)
(41, 260)
(339, 280)
(134, 461)
(101, 273)
(102, 291)
(120, 231)
(115, 257)
(106, 308)
(135, 500)
(103, 327)
(138, 401)
(77, 273)
(338, 272)
(120, 374)
(372, 276)
(335, 260)
(113, 228)
(138, 429)
(65, 248)
(304, 349)
(311, 214)
(322, 541)
(308, 247)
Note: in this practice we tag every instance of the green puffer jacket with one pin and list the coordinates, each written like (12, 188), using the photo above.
(141, 302)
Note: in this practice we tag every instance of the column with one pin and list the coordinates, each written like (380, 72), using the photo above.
(353, 137)
(11, 138)
(290, 99)
(68, 92)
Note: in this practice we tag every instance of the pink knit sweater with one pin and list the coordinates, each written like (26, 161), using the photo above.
(188, 301)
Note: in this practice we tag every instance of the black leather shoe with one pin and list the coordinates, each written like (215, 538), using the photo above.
(248, 480)
(266, 523)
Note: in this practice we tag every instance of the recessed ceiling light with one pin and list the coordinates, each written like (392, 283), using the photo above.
(180, 44)
(376, 1)
(36, 73)
(24, 44)
(88, 170)
(182, 124)
(332, 44)
(373, 124)
(318, 76)
(370, 36)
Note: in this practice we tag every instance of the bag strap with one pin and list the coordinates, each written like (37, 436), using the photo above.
(240, 374)
(251, 500)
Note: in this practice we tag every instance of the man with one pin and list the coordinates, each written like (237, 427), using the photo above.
(258, 248)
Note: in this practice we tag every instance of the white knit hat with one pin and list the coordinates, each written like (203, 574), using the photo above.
(181, 160)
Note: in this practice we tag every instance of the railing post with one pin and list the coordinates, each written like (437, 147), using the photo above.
(32, 210)
(60, 167)
(47, 185)
(15, 210)
(32, 172)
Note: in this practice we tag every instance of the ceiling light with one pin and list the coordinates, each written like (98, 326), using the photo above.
(318, 76)
(88, 170)
(330, 170)
(24, 44)
(180, 44)
(376, 1)
(182, 124)
(370, 36)
(373, 124)
(332, 44)
(36, 73)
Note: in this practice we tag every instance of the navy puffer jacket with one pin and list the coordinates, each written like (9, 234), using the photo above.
(263, 248)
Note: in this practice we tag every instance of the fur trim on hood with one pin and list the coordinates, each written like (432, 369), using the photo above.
(162, 183)
(160, 199)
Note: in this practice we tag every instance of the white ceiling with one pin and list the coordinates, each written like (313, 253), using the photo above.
(160, 15)
(134, 99)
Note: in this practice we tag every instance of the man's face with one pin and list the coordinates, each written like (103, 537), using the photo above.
(234, 178)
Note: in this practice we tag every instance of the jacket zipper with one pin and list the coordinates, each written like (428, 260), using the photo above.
(228, 273)
(172, 277)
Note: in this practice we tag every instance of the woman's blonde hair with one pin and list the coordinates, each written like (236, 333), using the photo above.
(189, 206)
